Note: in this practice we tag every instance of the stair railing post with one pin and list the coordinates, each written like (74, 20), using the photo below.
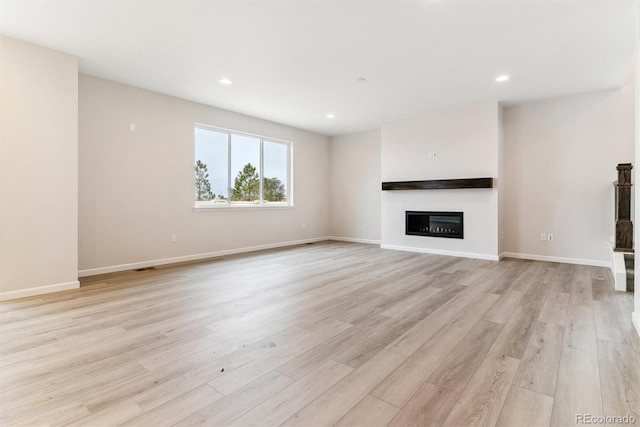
(624, 225)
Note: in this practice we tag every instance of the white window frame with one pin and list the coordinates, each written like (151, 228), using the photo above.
(202, 205)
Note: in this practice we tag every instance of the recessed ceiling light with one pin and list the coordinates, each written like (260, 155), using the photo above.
(502, 78)
(331, 116)
(225, 81)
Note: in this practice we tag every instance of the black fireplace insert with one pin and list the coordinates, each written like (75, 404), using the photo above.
(434, 224)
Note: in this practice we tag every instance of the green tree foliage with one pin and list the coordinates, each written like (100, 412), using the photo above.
(203, 186)
(246, 187)
(273, 190)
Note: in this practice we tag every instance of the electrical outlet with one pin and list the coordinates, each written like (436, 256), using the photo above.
(173, 238)
(304, 225)
(132, 127)
(550, 237)
(365, 226)
(543, 236)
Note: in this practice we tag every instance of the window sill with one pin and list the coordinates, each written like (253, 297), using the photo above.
(240, 208)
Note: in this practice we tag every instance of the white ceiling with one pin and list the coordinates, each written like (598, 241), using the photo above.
(295, 61)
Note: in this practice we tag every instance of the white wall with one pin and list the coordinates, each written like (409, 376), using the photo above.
(355, 186)
(136, 188)
(38, 169)
(467, 143)
(560, 162)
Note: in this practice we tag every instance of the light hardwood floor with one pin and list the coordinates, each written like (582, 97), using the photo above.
(324, 334)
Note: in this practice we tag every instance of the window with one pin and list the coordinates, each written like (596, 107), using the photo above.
(229, 169)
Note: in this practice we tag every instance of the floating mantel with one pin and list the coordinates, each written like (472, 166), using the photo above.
(439, 184)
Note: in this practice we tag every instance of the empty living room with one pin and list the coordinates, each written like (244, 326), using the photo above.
(319, 213)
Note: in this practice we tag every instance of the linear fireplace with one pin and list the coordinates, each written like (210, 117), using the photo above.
(435, 224)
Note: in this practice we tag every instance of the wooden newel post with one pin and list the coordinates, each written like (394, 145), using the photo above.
(624, 226)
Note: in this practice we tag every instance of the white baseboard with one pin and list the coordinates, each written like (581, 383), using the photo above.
(354, 240)
(441, 252)
(635, 317)
(579, 261)
(39, 290)
(195, 257)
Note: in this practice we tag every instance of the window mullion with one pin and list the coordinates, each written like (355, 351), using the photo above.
(229, 169)
(289, 175)
(261, 170)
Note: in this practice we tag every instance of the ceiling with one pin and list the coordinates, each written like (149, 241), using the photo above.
(295, 61)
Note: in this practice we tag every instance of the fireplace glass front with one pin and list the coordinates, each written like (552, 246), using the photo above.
(434, 224)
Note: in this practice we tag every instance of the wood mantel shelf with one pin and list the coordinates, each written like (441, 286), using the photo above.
(439, 184)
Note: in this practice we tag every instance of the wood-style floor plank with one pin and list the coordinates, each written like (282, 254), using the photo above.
(501, 311)
(578, 387)
(304, 363)
(234, 379)
(398, 387)
(330, 333)
(415, 337)
(113, 415)
(601, 287)
(368, 347)
(620, 379)
(397, 309)
(626, 306)
(610, 325)
(284, 404)
(562, 282)
(58, 416)
(458, 368)
(369, 412)
(539, 365)
(177, 409)
(525, 408)
(481, 402)
(580, 330)
(515, 335)
(227, 409)
(338, 400)
(430, 406)
(186, 374)
(555, 307)
(467, 319)
(581, 288)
